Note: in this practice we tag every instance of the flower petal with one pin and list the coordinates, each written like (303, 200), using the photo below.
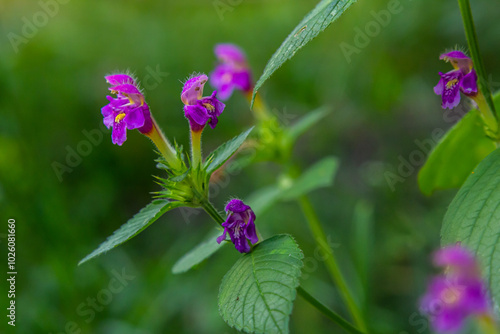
(468, 85)
(107, 110)
(193, 89)
(222, 79)
(236, 205)
(455, 256)
(459, 60)
(119, 79)
(222, 237)
(451, 89)
(250, 232)
(134, 119)
(148, 121)
(126, 89)
(242, 80)
(241, 244)
(197, 116)
(119, 134)
(230, 53)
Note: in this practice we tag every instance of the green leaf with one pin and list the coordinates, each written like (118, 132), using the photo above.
(257, 293)
(318, 176)
(198, 254)
(218, 157)
(315, 22)
(456, 155)
(473, 219)
(306, 122)
(148, 215)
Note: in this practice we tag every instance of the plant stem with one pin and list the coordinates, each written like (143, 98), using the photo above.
(327, 312)
(163, 145)
(195, 148)
(331, 263)
(259, 108)
(212, 212)
(262, 113)
(470, 33)
(488, 117)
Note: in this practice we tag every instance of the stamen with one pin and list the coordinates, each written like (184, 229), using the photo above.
(209, 106)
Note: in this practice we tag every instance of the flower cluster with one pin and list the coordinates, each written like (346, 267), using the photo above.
(240, 224)
(457, 294)
(200, 110)
(462, 79)
(232, 72)
(128, 110)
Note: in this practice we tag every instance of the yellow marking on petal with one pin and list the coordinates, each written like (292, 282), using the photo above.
(119, 117)
(209, 106)
(451, 83)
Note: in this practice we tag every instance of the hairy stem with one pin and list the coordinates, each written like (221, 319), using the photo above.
(163, 145)
(259, 108)
(195, 148)
(331, 262)
(470, 33)
(212, 212)
(327, 312)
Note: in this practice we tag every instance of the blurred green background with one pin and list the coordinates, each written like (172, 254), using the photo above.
(51, 92)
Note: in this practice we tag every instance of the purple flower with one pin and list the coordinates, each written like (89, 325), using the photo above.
(232, 72)
(457, 260)
(462, 79)
(200, 110)
(240, 225)
(456, 295)
(127, 111)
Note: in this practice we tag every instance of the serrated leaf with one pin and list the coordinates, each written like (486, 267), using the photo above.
(257, 293)
(218, 157)
(456, 155)
(319, 175)
(198, 254)
(306, 122)
(145, 217)
(473, 218)
(315, 22)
